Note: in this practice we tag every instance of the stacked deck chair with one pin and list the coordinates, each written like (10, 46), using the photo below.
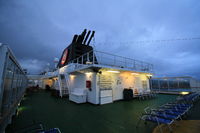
(53, 130)
(169, 112)
(147, 95)
(156, 119)
(190, 98)
(144, 95)
(37, 128)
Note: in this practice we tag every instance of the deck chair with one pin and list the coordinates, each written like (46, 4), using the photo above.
(174, 109)
(53, 130)
(156, 119)
(177, 107)
(166, 116)
(168, 111)
(162, 114)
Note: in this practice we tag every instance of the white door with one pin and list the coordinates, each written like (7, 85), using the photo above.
(117, 90)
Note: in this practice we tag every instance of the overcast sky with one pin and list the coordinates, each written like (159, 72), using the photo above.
(38, 31)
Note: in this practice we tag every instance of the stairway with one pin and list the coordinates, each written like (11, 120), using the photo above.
(64, 91)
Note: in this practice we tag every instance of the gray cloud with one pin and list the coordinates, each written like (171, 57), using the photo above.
(42, 29)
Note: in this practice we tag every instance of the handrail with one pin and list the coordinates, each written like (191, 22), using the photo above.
(120, 56)
(103, 58)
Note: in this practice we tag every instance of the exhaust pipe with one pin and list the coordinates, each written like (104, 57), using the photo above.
(81, 37)
(91, 37)
(75, 38)
(86, 37)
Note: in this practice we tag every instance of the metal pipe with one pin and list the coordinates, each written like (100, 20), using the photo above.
(74, 39)
(91, 37)
(79, 39)
(83, 35)
(84, 42)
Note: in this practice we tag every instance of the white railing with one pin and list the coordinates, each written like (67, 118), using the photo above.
(107, 59)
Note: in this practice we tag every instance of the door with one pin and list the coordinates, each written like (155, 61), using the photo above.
(117, 89)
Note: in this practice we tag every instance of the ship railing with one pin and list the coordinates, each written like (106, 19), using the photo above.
(106, 59)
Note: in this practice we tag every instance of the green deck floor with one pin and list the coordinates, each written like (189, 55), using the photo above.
(118, 117)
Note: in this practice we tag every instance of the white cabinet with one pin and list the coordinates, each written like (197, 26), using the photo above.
(106, 96)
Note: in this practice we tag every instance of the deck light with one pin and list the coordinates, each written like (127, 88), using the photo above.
(134, 73)
(72, 76)
(88, 73)
(184, 93)
(149, 75)
(113, 71)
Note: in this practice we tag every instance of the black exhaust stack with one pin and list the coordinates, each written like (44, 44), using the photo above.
(75, 38)
(81, 37)
(91, 37)
(86, 37)
(78, 47)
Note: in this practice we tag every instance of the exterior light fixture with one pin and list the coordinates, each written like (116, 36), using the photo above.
(149, 75)
(88, 73)
(113, 71)
(72, 76)
(88, 62)
(134, 73)
(184, 93)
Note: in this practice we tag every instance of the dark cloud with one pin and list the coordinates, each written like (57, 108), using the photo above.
(39, 30)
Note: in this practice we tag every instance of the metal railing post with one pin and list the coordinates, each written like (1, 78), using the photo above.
(114, 60)
(88, 56)
(142, 66)
(93, 61)
(124, 62)
(134, 64)
(159, 84)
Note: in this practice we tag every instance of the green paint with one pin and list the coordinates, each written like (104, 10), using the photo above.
(118, 117)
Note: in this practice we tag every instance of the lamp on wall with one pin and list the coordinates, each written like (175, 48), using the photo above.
(184, 93)
(134, 73)
(88, 73)
(72, 76)
(113, 71)
(149, 75)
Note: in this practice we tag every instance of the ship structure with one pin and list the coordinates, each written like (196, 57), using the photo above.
(88, 75)
(13, 84)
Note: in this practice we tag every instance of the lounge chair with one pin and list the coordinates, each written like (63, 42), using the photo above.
(156, 119)
(53, 130)
(162, 113)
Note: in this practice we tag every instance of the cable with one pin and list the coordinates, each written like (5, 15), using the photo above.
(154, 41)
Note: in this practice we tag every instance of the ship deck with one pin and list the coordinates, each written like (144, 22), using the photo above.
(118, 117)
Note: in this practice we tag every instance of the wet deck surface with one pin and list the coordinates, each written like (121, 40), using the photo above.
(184, 126)
(119, 117)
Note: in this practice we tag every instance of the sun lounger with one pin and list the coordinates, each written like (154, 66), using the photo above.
(53, 130)
(166, 116)
(156, 119)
